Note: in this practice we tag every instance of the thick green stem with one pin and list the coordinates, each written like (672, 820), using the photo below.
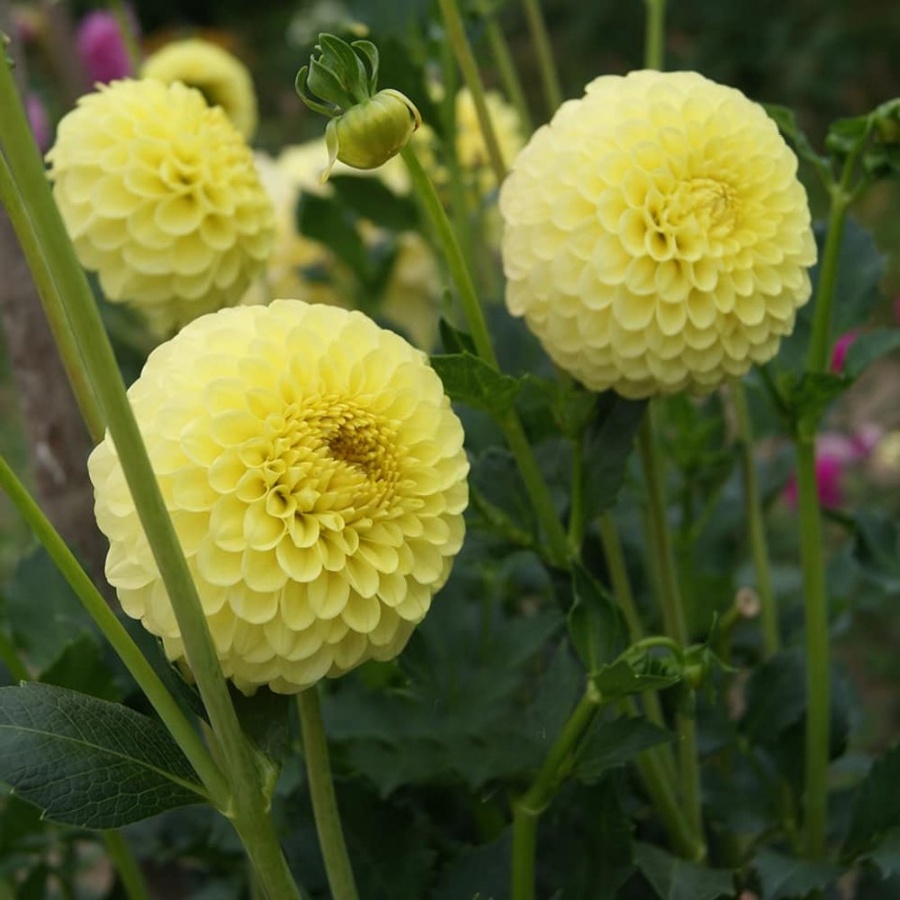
(456, 34)
(537, 488)
(527, 809)
(126, 866)
(51, 300)
(247, 808)
(543, 50)
(655, 34)
(756, 521)
(321, 788)
(618, 575)
(506, 66)
(815, 811)
(112, 629)
(660, 550)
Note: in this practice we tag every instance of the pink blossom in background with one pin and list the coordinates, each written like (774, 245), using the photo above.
(102, 48)
(835, 453)
(839, 353)
(39, 121)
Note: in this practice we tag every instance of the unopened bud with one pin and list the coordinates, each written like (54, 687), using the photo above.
(747, 603)
(370, 133)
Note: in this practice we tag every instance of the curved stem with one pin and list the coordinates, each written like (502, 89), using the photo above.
(756, 521)
(655, 34)
(112, 629)
(815, 607)
(247, 807)
(126, 866)
(544, 52)
(537, 488)
(321, 788)
(456, 34)
(527, 809)
(506, 66)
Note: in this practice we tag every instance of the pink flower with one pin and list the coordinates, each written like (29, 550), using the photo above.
(828, 482)
(839, 353)
(40, 123)
(102, 48)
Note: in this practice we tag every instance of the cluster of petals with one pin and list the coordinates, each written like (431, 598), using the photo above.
(161, 198)
(656, 237)
(316, 478)
(219, 75)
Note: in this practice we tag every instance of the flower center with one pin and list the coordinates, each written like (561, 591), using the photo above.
(706, 203)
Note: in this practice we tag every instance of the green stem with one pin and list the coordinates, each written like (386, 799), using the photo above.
(660, 550)
(817, 652)
(112, 629)
(506, 66)
(123, 20)
(576, 505)
(321, 788)
(544, 52)
(820, 342)
(247, 808)
(655, 34)
(52, 301)
(126, 866)
(537, 488)
(527, 809)
(10, 658)
(456, 34)
(756, 521)
(618, 575)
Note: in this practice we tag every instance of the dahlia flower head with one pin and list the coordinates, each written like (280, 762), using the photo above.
(316, 478)
(162, 199)
(656, 236)
(219, 75)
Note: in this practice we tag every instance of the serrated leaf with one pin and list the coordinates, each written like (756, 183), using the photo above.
(373, 200)
(876, 812)
(676, 879)
(616, 743)
(469, 379)
(481, 873)
(868, 347)
(596, 625)
(454, 340)
(783, 876)
(87, 762)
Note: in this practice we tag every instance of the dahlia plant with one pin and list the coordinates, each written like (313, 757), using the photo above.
(536, 590)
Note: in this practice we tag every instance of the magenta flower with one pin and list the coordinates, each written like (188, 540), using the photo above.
(839, 353)
(102, 49)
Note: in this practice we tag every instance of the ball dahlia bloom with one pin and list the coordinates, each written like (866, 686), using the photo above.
(656, 236)
(220, 76)
(316, 478)
(162, 199)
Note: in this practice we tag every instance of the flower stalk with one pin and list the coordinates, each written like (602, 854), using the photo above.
(540, 39)
(126, 865)
(655, 34)
(246, 805)
(324, 802)
(528, 808)
(506, 67)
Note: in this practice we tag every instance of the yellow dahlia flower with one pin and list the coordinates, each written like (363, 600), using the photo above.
(161, 198)
(316, 478)
(656, 236)
(221, 77)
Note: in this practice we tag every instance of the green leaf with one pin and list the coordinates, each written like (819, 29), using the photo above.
(469, 379)
(868, 347)
(373, 200)
(81, 667)
(608, 446)
(876, 549)
(453, 340)
(481, 873)
(886, 854)
(676, 879)
(806, 397)
(623, 677)
(785, 876)
(87, 762)
(596, 625)
(845, 135)
(265, 719)
(615, 743)
(325, 220)
(876, 812)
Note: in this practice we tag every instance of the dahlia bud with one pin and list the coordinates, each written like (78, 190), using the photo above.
(370, 133)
